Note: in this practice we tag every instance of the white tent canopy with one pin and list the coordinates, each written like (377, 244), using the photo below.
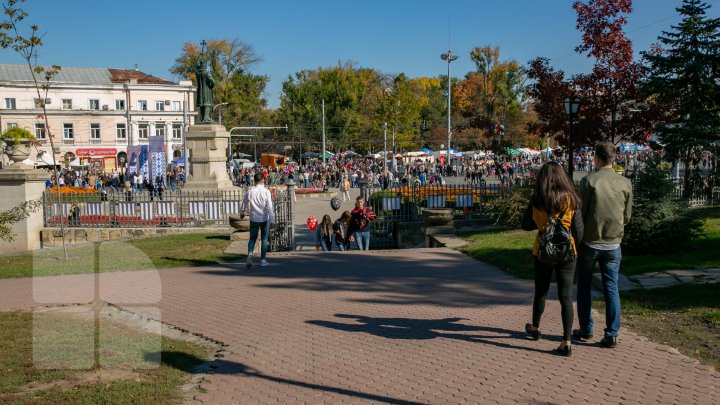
(46, 159)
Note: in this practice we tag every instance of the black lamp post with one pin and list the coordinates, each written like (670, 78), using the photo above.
(571, 105)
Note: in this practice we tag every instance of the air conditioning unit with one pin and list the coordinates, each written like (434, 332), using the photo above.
(167, 102)
(56, 149)
(105, 107)
(47, 101)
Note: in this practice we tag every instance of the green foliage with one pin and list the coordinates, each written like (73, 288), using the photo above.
(683, 83)
(13, 215)
(17, 133)
(659, 223)
(508, 205)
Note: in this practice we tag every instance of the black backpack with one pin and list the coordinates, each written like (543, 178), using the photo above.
(556, 242)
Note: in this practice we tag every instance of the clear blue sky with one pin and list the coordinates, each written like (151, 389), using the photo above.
(393, 35)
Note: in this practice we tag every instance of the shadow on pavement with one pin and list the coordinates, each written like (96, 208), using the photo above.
(442, 278)
(181, 361)
(422, 329)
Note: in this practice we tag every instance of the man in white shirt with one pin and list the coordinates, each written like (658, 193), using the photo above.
(262, 216)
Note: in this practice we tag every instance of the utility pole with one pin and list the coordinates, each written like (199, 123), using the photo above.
(449, 57)
(385, 148)
(323, 130)
(393, 148)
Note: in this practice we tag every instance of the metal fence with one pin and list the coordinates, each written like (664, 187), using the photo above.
(405, 204)
(118, 209)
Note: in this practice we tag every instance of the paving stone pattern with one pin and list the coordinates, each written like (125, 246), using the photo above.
(427, 326)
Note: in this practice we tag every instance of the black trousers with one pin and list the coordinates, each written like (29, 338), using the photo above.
(564, 275)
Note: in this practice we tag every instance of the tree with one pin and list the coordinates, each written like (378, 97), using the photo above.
(613, 108)
(231, 61)
(26, 46)
(683, 82)
(491, 96)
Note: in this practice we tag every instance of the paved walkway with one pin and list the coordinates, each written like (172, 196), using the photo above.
(399, 327)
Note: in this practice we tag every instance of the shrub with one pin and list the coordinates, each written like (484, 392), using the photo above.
(17, 133)
(508, 205)
(659, 222)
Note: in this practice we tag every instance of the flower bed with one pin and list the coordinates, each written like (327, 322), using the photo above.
(309, 191)
(120, 221)
(74, 190)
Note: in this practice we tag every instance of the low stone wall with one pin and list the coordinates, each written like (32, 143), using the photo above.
(51, 237)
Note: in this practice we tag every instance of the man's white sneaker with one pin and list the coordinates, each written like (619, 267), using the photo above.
(248, 262)
(264, 263)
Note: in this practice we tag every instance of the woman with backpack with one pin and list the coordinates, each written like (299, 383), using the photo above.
(554, 210)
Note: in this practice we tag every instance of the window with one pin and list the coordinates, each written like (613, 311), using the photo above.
(143, 130)
(40, 130)
(142, 105)
(177, 106)
(10, 125)
(177, 130)
(119, 104)
(94, 131)
(159, 105)
(94, 104)
(160, 129)
(68, 131)
(121, 130)
(67, 104)
(10, 103)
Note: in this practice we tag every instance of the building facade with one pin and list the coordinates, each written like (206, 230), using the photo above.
(95, 114)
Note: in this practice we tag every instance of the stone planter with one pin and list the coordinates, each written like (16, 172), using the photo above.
(241, 225)
(17, 152)
(437, 216)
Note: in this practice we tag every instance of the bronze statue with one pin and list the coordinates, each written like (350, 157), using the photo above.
(204, 93)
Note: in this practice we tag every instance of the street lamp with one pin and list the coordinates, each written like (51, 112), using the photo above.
(219, 115)
(571, 105)
(449, 57)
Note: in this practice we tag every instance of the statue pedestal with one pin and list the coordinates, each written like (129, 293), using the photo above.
(207, 145)
(17, 185)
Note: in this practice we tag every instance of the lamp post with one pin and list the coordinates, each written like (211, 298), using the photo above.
(571, 105)
(219, 115)
(449, 57)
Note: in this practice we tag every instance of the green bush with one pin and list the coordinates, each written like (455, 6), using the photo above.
(17, 133)
(659, 223)
(507, 206)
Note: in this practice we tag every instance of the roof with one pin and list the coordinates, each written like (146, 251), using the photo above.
(80, 75)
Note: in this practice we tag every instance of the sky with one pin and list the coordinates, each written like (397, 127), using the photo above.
(392, 36)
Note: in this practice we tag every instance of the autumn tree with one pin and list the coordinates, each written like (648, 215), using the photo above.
(231, 62)
(613, 108)
(683, 82)
(490, 97)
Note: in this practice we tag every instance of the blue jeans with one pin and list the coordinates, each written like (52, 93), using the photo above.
(264, 229)
(609, 261)
(362, 238)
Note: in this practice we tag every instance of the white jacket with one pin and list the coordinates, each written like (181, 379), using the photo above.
(260, 201)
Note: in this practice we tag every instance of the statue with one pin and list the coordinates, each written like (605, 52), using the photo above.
(205, 85)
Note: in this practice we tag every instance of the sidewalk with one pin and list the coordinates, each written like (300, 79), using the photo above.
(395, 327)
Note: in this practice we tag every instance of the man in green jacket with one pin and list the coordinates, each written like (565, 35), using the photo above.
(607, 206)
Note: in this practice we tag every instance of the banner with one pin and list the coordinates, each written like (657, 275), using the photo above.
(138, 160)
(157, 157)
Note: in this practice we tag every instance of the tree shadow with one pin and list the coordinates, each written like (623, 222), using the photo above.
(191, 364)
(423, 329)
(439, 277)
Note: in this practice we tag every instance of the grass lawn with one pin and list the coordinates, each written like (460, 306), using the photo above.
(686, 317)
(510, 250)
(139, 254)
(124, 381)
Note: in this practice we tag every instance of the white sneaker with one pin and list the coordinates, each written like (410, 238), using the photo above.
(264, 263)
(248, 261)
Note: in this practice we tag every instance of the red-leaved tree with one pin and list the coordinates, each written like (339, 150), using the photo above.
(613, 108)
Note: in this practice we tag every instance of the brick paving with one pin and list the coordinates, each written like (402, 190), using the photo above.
(401, 327)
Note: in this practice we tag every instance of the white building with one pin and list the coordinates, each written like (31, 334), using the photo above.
(95, 113)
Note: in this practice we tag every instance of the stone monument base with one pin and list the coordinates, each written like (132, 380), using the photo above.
(207, 145)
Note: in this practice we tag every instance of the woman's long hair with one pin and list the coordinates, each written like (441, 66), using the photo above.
(553, 190)
(326, 224)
